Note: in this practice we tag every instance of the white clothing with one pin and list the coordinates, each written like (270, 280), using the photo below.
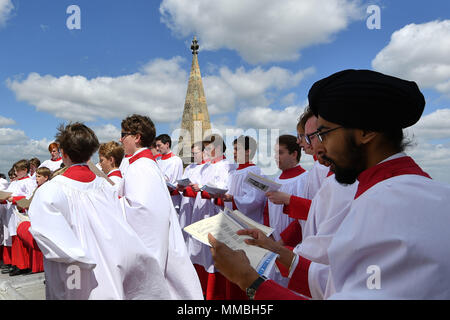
(316, 176)
(216, 174)
(82, 234)
(172, 169)
(52, 164)
(150, 212)
(248, 200)
(399, 227)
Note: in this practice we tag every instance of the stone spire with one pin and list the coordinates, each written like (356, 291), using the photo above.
(195, 122)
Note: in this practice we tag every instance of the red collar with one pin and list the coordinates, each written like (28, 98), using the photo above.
(215, 160)
(314, 157)
(385, 170)
(165, 156)
(143, 154)
(26, 177)
(115, 173)
(128, 155)
(330, 173)
(59, 159)
(80, 173)
(245, 165)
(292, 172)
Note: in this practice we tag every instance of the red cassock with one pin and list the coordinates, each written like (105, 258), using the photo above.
(36, 258)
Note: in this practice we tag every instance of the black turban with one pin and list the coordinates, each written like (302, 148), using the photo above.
(365, 99)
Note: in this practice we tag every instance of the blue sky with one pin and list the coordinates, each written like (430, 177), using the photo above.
(258, 60)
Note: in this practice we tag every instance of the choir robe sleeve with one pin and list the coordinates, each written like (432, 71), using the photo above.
(51, 230)
(297, 208)
(270, 290)
(292, 235)
(250, 202)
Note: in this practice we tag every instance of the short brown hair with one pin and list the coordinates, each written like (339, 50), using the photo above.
(22, 165)
(44, 171)
(305, 116)
(36, 162)
(290, 142)
(77, 141)
(137, 124)
(53, 145)
(112, 149)
(216, 140)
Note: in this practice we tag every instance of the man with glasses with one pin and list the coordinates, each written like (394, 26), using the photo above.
(390, 244)
(150, 211)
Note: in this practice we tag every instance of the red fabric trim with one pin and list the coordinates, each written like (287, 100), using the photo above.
(245, 165)
(143, 154)
(270, 290)
(7, 255)
(80, 173)
(299, 280)
(115, 173)
(292, 235)
(205, 195)
(234, 292)
(298, 208)
(330, 173)
(189, 192)
(213, 284)
(17, 198)
(314, 157)
(292, 172)
(59, 159)
(174, 192)
(386, 170)
(26, 177)
(165, 156)
(128, 155)
(20, 255)
(219, 202)
(234, 204)
(215, 160)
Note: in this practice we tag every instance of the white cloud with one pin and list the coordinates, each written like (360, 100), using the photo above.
(4, 122)
(419, 52)
(107, 133)
(260, 30)
(6, 8)
(435, 125)
(158, 91)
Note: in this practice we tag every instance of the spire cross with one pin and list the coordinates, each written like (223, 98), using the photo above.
(194, 46)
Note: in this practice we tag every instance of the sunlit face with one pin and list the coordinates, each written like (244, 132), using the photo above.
(20, 173)
(347, 159)
(302, 142)
(241, 155)
(128, 142)
(40, 179)
(55, 153)
(283, 159)
(197, 154)
(162, 148)
(106, 164)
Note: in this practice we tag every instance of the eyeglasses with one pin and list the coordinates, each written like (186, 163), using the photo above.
(124, 134)
(319, 135)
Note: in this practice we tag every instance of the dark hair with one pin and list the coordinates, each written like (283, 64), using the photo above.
(304, 117)
(11, 173)
(142, 125)
(198, 144)
(164, 138)
(44, 171)
(396, 139)
(2, 176)
(23, 164)
(216, 140)
(290, 142)
(249, 144)
(77, 141)
(35, 161)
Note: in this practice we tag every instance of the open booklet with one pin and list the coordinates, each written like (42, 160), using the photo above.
(5, 195)
(184, 182)
(261, 183)
(213, 189)
(224, 225)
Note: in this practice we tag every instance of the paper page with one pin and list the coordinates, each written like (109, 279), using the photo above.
(170, 185)
(224, 230)
(248, 223)
(21, 216)
(184, 182)
(213, 190)
(24, 203)
(261, 183)
(99, 173)
(4, 195)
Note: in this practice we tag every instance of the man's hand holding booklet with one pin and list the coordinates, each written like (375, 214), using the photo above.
(224, 225)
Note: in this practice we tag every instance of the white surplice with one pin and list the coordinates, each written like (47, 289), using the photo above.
(150, 212)
(90, 251)
(172, 168)
(53, 165)
(396, 231)
(192, 172)
(248, 200)
(316, 176)
(215, 173)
